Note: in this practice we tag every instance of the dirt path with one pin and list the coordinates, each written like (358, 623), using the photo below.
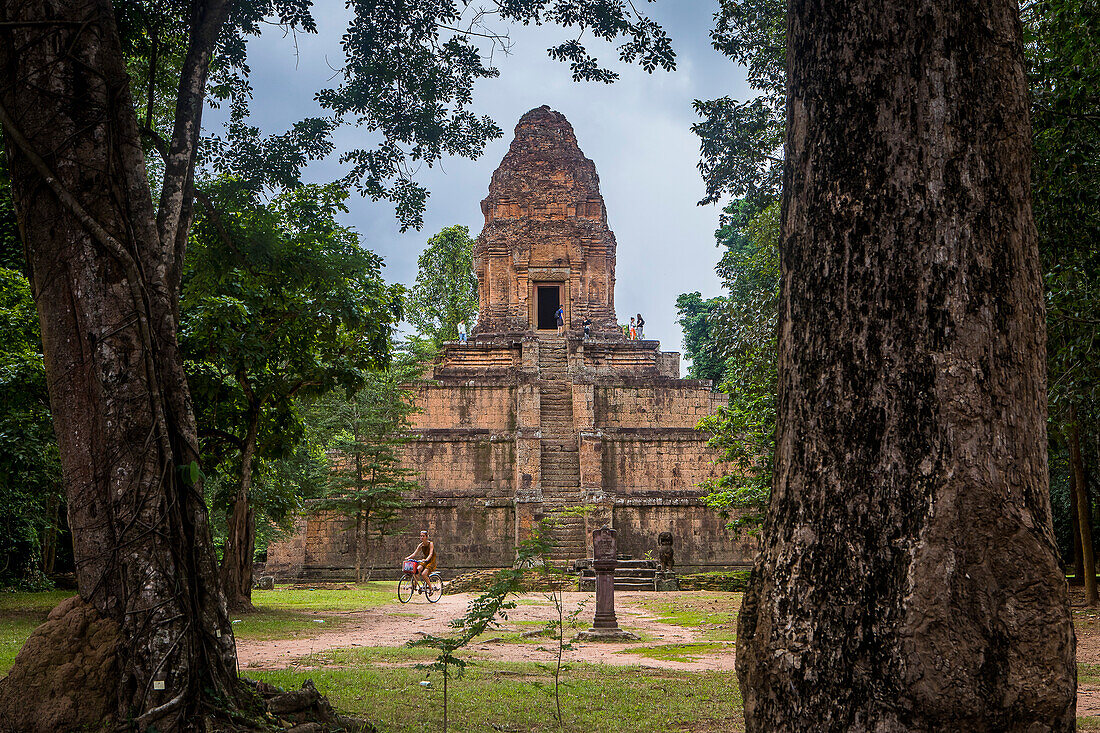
(393, 625)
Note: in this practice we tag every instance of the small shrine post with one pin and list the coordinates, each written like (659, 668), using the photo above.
(605, 627)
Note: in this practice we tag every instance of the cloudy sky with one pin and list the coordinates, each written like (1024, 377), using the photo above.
(637, 131)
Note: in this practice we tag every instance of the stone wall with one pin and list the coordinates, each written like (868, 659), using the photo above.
(485, 406)
(478, 359)
(456, 463)
(468, 533)
(679, 403)
(700, 539)
(649, 462)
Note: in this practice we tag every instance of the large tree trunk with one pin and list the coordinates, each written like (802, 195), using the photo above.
(1075, 523)
(360, 541)
(119, 399)
(1079, 486)
(909, 579)
(240, 540)
(359, 514)
(50, 535)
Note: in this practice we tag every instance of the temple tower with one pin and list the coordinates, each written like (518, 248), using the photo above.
(545, 241)
(520, 424)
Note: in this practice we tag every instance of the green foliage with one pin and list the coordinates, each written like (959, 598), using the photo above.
(281, 487)
(741, 142)
(1063, 51)
(279, 302)
(445, 293)
(483, 613)
(698, 319)
(30, 468)
(1063, 54)
(11, 246)
(745, 430)
(407, 76)
(735, 336)
(367, 430)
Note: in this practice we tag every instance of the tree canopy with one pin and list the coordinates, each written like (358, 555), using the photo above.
(138, 74)
(445, 293)
(279, 301)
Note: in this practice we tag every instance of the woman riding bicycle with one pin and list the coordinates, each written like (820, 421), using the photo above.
(424, 555)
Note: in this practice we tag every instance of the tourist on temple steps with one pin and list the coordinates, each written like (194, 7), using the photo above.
(633, 333)
(461, 332)
(638, 327)
(424, 554)
(587, 328)
(561, 319)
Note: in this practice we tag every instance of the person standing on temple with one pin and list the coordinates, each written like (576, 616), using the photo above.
(638, 327)
(561, 319)
(633, 332)
(461, 332)
(587, 327)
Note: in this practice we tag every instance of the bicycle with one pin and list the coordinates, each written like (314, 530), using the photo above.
(406, 584)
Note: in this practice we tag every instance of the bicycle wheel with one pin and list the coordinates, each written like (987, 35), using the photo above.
(435, 589)
(405, 588)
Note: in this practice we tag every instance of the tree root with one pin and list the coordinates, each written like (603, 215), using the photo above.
(66, 678)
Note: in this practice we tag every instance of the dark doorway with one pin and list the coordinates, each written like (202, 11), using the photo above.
(549, 300)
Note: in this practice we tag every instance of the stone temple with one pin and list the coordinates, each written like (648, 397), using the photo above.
(521, 423)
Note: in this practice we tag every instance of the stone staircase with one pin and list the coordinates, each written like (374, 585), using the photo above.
(561, 474)
(630, 574)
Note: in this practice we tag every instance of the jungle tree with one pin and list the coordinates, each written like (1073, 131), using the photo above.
(908, 579)
(279, 302)
(106, 252)
(445, 293)
(367, 431)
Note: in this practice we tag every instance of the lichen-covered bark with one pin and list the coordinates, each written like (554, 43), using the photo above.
(909, 579)
(121, 409)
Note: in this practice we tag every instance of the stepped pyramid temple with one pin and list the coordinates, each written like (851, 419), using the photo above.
(520, 422)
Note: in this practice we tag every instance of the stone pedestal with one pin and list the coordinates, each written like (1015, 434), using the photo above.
(605, 627)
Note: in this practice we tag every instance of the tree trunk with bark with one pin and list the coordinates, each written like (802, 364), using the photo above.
(1079, 486)
(240, 539)
(106, 286)
(50, 535)
(360, 537)
(359, 529)
(909, 579)
(1075, 524)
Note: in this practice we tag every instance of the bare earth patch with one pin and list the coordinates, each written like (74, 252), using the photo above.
(394, 625)
(1086, 624)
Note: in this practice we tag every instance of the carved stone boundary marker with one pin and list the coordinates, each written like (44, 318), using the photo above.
(605, 627)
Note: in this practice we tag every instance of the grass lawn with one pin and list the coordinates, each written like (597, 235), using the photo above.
(518, 697)
(713, 612)
(20, 613)
(383, 685)
(283, 613)
(295, 612)
(679, 652)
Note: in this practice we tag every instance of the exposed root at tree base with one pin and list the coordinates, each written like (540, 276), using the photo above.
(66, 676)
